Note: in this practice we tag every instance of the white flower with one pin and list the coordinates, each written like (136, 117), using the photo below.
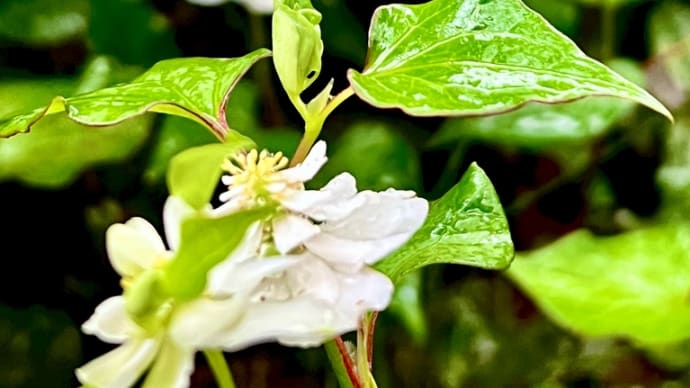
(168, 343)
(332, 234)
(261, 7)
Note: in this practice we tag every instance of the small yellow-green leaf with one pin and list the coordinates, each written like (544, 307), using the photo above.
(204, 243)
(469, 57)
(193, 174)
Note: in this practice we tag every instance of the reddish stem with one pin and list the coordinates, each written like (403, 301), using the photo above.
(370, 338)
(347, 361)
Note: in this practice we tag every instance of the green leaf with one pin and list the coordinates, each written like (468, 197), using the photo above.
(57, 150)
(465, 226)
(196, 88)
(538, 125)
(376, 154)
(633, 285)
(469, 57)
(194, 173)
(297, 45)
(43, 22)
(204, 243)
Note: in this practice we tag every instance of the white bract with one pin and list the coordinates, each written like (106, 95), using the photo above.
(332, 235)
(165, 338)
(261, 7)
(300, 277)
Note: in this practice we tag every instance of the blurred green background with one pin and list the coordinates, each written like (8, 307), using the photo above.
(604, 165)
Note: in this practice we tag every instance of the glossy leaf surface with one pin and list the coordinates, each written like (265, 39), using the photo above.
(474, 57)
(465, 226)
(196, 88)
(633, 285)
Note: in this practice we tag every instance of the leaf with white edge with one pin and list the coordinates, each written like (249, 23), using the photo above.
(204, 243)
(471, 57)
(633, 285)
(194, 173)
(465, 226)
(195, 88)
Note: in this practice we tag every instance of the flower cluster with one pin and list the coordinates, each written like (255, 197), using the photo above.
(299, 277)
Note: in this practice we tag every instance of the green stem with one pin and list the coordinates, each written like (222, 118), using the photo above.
(608, 32)
(314, 124)
(364, 354)
(220, 368)
(341, 363)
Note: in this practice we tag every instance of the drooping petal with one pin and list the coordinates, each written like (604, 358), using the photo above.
(120, 367)
(290, 231)
(309, 167)
(314, 278)
(174, 211)
(110, 322)
(231, 277)
(372, 231)
(367, 290)
(195, 322)
(333, 202)
(172, 368)
(133, 246)
(300, 321)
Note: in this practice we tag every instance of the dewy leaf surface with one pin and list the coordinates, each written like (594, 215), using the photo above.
(465, 226)
(633, 285)
(196, 88)
(469, 57)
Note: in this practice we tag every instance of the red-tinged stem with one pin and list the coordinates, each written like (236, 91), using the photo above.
(347, 361)
(370, 338)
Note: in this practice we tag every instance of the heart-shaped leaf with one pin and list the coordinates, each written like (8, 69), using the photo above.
(465, 226)
(469, 57)
(633, 285)
(195, 88)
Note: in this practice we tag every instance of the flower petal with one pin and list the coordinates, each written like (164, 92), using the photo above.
(314, 278)
(290, 231)
(120, 367)
(195, 322)
(231, 277)
(368, 290)
(386, 221)
(309, 167)
(333, 202)
(133, 246)
(110, 322)
(174, 211)
(301, 321)
(172, 368)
